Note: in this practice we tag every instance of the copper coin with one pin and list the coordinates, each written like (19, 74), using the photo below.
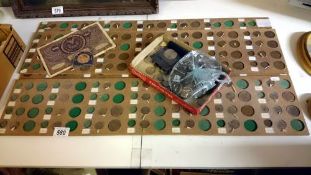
(107, 85)
(248, 42)
(116, 111)
(145, 96)
(122, 66)
(150, 70)
(176, 108)
(108, 66)
(267, 123)
(222, 43)
(111, 55)
(277, 109)
(272, 44)
(211, 53)
(262, 54)
(269, 34)
(99, 65)
(259, 43)
(144, 124)
(275, 54)
(238, 65)
(219, 108)
(250, 53)
(149, 36)
(264, 109)
(248, 110)
(195, 24)
(220, 34)
(274, 96)
(247, 33)
(253, 63)
(99, 125)
(244, 96)
(3, 123)
(211, 43)
(184, 35)
(279, 65)
(183, 25)
(234, 44)
(223, 54)
(236, 54)
(233, 34)
(197, 35)
(102, 111)
(161, 25)
(293, 110)
(281, 125)
(114, 125)
(232, 109)
(210, 33)
(289, 96)
(126, 36)
(230, 96)
(235, 124)
(264, 65)
(189, 123)
(145, 110)
(174, 35)
(270, 83)
(256, 34)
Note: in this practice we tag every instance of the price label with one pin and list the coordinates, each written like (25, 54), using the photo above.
(57, 10)
(61, 131)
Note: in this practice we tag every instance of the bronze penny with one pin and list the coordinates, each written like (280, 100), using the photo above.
(234, 44)
(174, 35)
(149, 36)
(220, 34)
(259, 43)
(102, 111)
(250, 53)
(145, 110)
(183, 25)
(108, 66)
(144, 124)
(264, 65)
(289, 96)
(222, 43)
(233, 34)
(116, 111)
(264, 109)
(267, 123)
(223, 54)
(195, 24)
(161, 25)
(247, 33)
(256, 34)
(140, 26)
(111, 55)
(219, 108)
(279, 65)
(176, 108)
(232, 109)
(272, 44)
(262, 54)
(253, 63)
(189, 123)
(269, 34)
(107, 85)
(145, 96)
(281, 125)
(207, 24)
(114, 37)
(270, 83)
(248, 110)
(114, 125)
(275, 54)
(126, 36)
(211, 43)
(238, 65)
(248, 42)
(197, 35)
(293, 110)
(185, 35)
(210, 33)
(230, 96)
(3, 123)
(274, 96)
(122, 66)
(277, 109)
(236, 54)
(235, 124)
(244, 96)
(99, 125)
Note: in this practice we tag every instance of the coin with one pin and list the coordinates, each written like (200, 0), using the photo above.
(145, 96)
(232, 109)
(269, 34)
(222, 43)
(272, 44)
(145, 110)
(233, 34)
(235, 124)
(267, 123)
(3, 123)
(170, 54)
(264, 65)
(99, 125)
(277, 109)
(248, 110)
(116, 111)
(219, 108)
(230, 96)
(236, 54)
(189, 123)
(176, 108)
(114, 125)
(264, 108)
(274, 96)
(150, 70)
(235, 44)
(293, 110)
(289, 96)
(144, 124)
(218, 95)
(244, 96)
(281, 125)
(102, 111)
(238, 65)
(275, 54)
(279, 65)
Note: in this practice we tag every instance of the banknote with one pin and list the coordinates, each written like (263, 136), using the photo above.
(79, 46)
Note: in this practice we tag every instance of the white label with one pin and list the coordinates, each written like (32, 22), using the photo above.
(139, 39)
(243, 28)
(217, 101)
(94, 90)
(133, 102)
(43, 130)
(222, 130)
(243, 75)
(258, 88)
(11, 103)
(46, 117)
(220, 115)
(86, 131)
(139, 29)
(175, 115)
(88, 116)
(249, 47)
(252, 58)
(269, 130)
(262, 100)
(265, 115)
(210, 38)
(17, 91)
(137, 49)
(32, 50)
(173, 21)
(50, 103)
(44, 22)
(254, 69)
(132, 115)
(106, 29)
(28, 60)
(175, 130)
(100, 60)
(57, 10)
(24, 71)
(74, 29)
(41, 30)
(275, 78)
(173, 102)
(207, 28)
(7, 116)
(263, 23)
(61, 131)
(86, 75)
(2, 130)
(241, 19)
(130, 130)
(247, 37)
(134, 89)
(54, 90)
(98, 71)
(140, 22)
(92, 102)
(211, 47)
(174, 29)
(206, 20)
(125, 75)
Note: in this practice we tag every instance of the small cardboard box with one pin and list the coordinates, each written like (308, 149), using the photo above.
(11, 50)
(139, 66)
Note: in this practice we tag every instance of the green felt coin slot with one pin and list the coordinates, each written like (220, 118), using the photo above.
(52, 96)
(174, 26)
(72, 125)
(29, 125)
(205, 111)
(258, 82)
(118, 98)
(36, 66)
(135, 83)
(125, 47)
(131, 123)
(14, 97)
(56, 85)
(204, 125)
(297, 125)
(8, 110)
(80, 86)
(87, 123)
(42, 86)
(44, 124)
(24, 98)
(261, 95)
(37, 99)
(119, 85)
(74, 26)
(250, 125)
(176, 122)
(221, 123)
(242, 24)
(29, 86)
(242, 84)
(58, 36)
(18, 85)
(48, 110)
(159, 97)
(159, 111)
(20, 111)
(63, 25)
(127, 25)
(107, 26)
(197, 45)
(133, 109)
(90, 109)
(78, 98)
(134, 95)
(74, 112)
(93, 96)
(159, 124)
(96, 84)
(33, 112)
(229, 23)
(251, 23)
(104, 97)
(285, 84)
(217, 24)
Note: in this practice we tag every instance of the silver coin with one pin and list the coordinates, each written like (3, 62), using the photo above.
(170, 54)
